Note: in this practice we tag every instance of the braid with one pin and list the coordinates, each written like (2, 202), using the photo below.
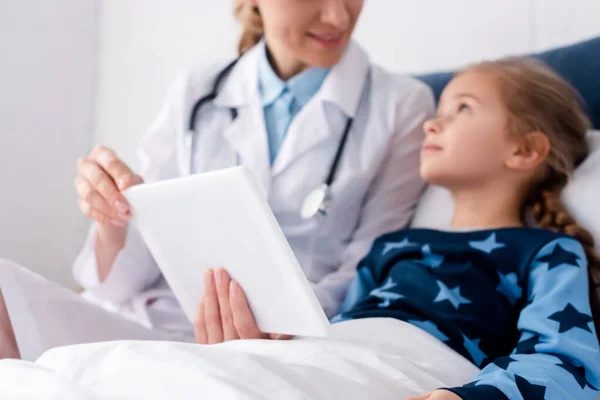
(551, 214)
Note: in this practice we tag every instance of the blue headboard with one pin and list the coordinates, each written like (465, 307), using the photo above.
(578, 63)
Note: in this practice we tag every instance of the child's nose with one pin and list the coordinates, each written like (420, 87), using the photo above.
(432, 126)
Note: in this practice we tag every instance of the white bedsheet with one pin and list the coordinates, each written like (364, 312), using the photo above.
(364, 359)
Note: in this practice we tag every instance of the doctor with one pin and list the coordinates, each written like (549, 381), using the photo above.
(301, 92)
(332, 139)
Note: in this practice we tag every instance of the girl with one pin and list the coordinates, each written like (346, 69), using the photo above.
(301, 92)
(512, 299)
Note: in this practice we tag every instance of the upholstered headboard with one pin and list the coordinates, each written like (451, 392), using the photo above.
(578, 63)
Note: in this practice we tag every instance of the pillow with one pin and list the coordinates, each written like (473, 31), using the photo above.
(579, 64)
(581, 197)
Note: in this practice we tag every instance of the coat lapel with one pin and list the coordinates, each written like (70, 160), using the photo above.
(342, 88)
(247, 133)
(247, 136)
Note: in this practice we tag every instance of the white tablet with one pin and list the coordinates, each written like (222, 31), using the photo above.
(221, 220)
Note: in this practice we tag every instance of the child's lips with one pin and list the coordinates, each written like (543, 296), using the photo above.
(430, 148)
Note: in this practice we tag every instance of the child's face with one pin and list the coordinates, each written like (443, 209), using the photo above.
(467, 142)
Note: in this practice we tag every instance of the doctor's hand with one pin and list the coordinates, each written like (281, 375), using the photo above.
(224, 313)
(437, 395)
(101, 178)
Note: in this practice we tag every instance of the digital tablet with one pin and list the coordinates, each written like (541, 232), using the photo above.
(221, 219)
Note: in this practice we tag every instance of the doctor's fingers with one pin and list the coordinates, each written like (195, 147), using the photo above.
(121, 174)
(96, 215)
(102, 183)
(200, 325)
(244, 321)
(212, 314)
(93, 204)
(223, 281)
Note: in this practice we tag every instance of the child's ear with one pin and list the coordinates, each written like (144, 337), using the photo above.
(529, 152)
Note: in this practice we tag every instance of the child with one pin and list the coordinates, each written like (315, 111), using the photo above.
(512, 299)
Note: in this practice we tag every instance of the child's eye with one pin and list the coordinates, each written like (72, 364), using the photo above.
(464, 107)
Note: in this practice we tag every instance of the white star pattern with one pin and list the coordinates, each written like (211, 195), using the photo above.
(508, 286)
(389, 246)
(452, 295)
(472, 346)
(488, 245)
(387, 297)
(430, 259)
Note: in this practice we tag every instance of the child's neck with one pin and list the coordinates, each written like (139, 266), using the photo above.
(486, 209)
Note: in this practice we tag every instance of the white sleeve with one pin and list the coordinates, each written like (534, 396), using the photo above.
(391, 198)
(134, 269)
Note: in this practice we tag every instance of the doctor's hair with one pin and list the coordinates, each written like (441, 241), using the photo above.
(252, 25)
(539, 100)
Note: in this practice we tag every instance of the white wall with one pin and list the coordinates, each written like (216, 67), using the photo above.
(144, 42)
(66, 85)
(562, 22)
(46, 69)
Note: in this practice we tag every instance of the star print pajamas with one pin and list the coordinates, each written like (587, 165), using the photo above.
(514, 301)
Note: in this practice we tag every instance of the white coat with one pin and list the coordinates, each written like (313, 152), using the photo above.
(375, 190)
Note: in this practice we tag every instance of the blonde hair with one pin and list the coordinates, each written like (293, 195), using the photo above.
(252, 25)
(539, 100)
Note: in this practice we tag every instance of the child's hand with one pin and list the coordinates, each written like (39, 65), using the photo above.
(437, 395)
(224, 313)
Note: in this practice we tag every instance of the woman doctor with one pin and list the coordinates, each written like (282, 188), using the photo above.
(282, 111)
(302, 107)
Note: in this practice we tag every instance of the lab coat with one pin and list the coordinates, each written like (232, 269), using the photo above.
(375, 190)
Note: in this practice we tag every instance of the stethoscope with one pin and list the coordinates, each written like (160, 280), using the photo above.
(318, 201)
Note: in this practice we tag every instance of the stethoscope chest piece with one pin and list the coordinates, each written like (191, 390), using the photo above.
(316, 202)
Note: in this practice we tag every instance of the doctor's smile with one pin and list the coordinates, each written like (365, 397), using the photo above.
(329, 40)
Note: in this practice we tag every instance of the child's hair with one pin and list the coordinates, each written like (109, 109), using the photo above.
(252, 25)
(538, 99)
